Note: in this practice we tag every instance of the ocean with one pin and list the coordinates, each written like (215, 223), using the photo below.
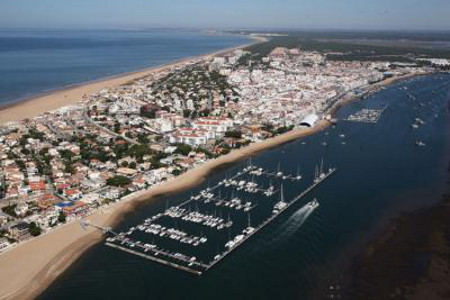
(36, 61)
(381, 173)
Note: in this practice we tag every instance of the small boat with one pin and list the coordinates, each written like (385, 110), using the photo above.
(419, 143)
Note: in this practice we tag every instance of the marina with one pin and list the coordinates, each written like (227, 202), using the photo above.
(179, 236)
(366, 115)
(300, 258)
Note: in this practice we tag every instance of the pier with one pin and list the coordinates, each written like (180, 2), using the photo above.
(271, 218)
(155, 259)
(366, 115)
(190, 263)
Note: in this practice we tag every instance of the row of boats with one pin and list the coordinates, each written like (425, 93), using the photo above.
(154, 249)
(192, 212)
(366, 115)
(198, 218)
(238, 239)
(173, 233)
(254, 170)
(236, 204)
(248, 186)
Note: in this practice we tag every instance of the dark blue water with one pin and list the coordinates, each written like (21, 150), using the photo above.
(36, 61)
(381, 173)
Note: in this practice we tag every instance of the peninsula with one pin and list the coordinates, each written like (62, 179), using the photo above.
(95, 151)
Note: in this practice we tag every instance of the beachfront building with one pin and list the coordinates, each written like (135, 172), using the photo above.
(191, 136)
(20, 231)
(3, 243)
(217, 125)
(49, 163)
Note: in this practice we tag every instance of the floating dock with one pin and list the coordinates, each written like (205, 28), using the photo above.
(191, 264)
(366, 115)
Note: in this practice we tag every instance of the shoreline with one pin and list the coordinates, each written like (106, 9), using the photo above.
(62, 247)
(29, 270)
(40, 103)
(41, 273)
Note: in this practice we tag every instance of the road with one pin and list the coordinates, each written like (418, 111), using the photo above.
(110, 132)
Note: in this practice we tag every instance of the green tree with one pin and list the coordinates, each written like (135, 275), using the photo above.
(118, 181)
(234, 134)
(186, 113)
(34, 229)
(61, 217)
(183, 149)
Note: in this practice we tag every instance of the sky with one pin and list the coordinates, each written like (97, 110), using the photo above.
(295, 14)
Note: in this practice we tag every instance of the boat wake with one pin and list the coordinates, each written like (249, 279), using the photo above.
(292, 225)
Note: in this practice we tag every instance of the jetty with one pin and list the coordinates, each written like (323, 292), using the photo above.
(366, 115)
(179, 258)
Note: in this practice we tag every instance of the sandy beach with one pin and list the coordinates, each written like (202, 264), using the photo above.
(30, 268)
(34, 106)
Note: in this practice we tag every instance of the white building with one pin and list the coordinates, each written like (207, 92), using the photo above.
(189, 136)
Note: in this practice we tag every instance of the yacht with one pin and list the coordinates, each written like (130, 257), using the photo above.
(230, 244)
(248, 230)
(279, 173)
(248, 208)
(269, 191)
(280, 205)
(313, 204)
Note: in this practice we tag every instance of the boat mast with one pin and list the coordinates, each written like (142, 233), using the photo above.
(321, 166)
